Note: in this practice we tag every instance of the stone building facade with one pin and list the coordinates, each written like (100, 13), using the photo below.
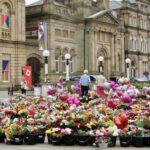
(15, 51)
(136, 18)
(12, 41)
(84, 28)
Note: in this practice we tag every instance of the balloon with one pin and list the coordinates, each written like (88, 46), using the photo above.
(118, 122)
(124, 118)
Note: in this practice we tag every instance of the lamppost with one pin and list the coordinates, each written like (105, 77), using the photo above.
(100, 59)
(67, 58)
(128, 61)
(46, 54)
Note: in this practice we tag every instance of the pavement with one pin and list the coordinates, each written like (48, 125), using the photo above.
(62, 147)
(4, 96)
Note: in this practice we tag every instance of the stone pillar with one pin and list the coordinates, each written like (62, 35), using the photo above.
(91, 53)
(112, 55)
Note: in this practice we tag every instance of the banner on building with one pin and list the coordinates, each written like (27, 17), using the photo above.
(5, 70)
(5, 21)
(27, 74)
(42, 35)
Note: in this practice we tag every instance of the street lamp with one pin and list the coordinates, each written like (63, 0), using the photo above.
(100, 59)
(67, 58)
(128, 61)
(46, 54)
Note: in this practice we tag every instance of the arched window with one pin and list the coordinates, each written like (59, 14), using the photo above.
(63, 64)
(57, 60)
(72, 60)
(140, 43)
(130, 43)
(5, 16)
(57, 64)
(133, 69)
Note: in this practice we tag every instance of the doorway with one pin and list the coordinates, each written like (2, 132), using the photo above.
(36, 66)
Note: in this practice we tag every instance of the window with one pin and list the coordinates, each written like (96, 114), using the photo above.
(5, 17)
(63, 64)
(57, 32)
(5, 70)
(65, 33)
(130, 20)
(141, 23)
(72, 34)
(130, 43)
(71, 65)
(145, 24)
(135, 22)
(57, 64)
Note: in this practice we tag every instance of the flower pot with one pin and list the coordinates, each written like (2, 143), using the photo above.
(40, 137)
(2, 138)
(49, 138)
(30, 139)
(92, 140)
(138, 141)
(146, 141)
(68, 140)
(112, 142)
(17, 140)
(102, 145)
(125, 141)
(83, 140)
(56, 140)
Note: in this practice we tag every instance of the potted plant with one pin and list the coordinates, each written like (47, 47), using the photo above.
(30, 135)
(40, 136)
(125, 137)
(2, 136)
(82, 137)
(102, 141)
(54, 135)
(138, 136)
(14, 134)
(68, 136)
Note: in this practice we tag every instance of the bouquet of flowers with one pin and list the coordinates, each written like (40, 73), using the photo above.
(55, 132)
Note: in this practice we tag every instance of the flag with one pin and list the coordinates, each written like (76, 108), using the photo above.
(27, 74)
(5, 21)
(41, 36)
(5, 71)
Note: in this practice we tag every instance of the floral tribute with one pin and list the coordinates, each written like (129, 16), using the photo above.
(117, 111)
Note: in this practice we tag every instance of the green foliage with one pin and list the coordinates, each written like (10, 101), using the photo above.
(81, 132)
(140, 85)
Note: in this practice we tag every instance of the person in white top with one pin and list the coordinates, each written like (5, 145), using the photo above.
(23, 85)
(100, 80)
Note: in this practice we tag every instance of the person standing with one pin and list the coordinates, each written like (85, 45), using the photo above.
(100, 84)
(23, 86)
(85, 81)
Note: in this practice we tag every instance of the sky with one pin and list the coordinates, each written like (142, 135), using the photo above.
(32, 1)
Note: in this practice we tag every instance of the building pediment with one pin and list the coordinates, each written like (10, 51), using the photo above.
(104, 16)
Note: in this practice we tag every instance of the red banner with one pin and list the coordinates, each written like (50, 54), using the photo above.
(27, 74)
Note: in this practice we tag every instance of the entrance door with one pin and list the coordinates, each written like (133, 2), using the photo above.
(36, 65)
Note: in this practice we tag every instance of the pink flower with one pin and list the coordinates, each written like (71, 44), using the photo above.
(126, 99)
(112, 103)
(63, 96)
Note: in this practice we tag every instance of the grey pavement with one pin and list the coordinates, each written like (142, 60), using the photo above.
(62, 147)
(4, 95)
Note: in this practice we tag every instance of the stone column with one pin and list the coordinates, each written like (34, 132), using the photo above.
(91, 51)
(112, 55)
